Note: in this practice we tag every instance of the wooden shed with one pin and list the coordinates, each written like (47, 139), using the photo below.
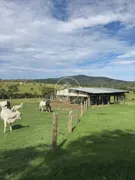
(95, 96)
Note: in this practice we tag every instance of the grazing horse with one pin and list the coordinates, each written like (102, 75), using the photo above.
(9, 117)
(44, 103)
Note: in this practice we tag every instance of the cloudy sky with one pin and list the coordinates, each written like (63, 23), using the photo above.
(54, 38)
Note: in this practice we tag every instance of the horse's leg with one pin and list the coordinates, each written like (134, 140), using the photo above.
(50, 108)
(10, 127)
(47, 107)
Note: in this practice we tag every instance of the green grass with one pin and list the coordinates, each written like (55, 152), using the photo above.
(26, 87)
(101, 147)
(130, 96)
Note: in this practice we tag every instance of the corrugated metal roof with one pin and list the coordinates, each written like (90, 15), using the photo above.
(98, 90)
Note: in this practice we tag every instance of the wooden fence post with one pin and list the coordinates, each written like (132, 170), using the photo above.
(89, 102)
(81, 109)
(70, 122)
(54, 138)
(77, 115)
(85, 102)
(86, 105)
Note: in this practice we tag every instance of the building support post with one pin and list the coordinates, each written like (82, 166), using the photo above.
(114, 99)
(108, 100)
(117, 99)
(89, 101)
(102, 99)
(97, 100)
(124, 99)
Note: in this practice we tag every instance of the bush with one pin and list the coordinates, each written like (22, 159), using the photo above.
(7, 94)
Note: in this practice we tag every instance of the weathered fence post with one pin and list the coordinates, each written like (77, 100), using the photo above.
(85, 102)
(86, 105)
(81, 109)
(77, 115)
(70, 122)
(88, 100)
(54, 138)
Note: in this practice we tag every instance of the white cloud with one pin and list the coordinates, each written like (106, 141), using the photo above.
(111, 70)
(123, 62)
(4, 38)
(102, 19)
(30, 35)
(129, 54)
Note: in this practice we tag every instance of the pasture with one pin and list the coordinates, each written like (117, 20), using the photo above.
(101, 146)
(29, 87)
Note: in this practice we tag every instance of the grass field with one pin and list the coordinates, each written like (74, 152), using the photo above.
(26, 87)
(34, 87)
(101, 147)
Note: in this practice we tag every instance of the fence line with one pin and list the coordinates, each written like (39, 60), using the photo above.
(83, 109)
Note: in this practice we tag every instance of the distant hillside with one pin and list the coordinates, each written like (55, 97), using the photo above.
(29, 88)
(84, 80)
(95, 81)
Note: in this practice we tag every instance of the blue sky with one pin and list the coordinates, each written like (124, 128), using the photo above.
(54, 38)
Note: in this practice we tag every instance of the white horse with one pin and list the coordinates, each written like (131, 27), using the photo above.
(44, 103)
(5, 104)
(9, 117)
(16, 107)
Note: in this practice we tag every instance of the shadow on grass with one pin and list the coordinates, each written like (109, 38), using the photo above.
(62, 143)
(18, 126)
(74, 128)
(109, 155)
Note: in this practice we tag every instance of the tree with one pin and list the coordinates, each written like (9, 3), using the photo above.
(13, 88)
(45, 91)
(2, 93)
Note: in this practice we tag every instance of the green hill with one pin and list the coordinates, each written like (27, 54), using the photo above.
(95, 81)
(44, 87)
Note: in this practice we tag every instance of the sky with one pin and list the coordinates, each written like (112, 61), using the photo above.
(55, 38)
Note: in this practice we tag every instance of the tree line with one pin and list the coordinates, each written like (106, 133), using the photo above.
(13, 92)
